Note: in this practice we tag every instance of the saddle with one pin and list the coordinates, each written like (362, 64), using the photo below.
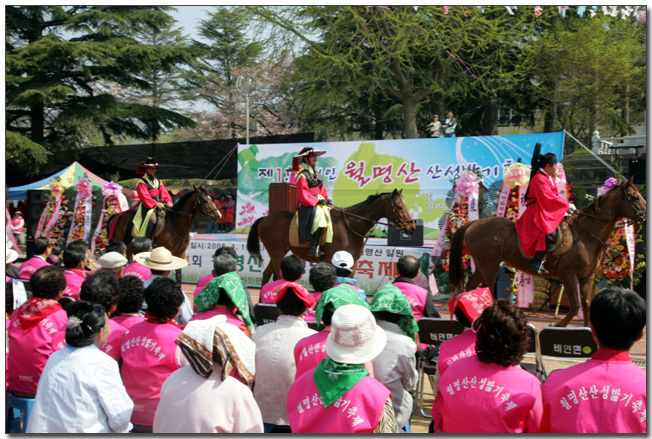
(558, 242)
(294, 234)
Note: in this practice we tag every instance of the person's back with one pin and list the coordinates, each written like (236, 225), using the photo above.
(36, 330)
(41, 248)
(139, 245)
(418, 297)
(292, 269)
(607, 393)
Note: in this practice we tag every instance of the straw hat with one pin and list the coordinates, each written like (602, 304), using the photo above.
(160, 259)
(343, 259)
(355, 338)
(472, 303)
(112, 260)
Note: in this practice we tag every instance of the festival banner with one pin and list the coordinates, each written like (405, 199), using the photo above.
(423, 168)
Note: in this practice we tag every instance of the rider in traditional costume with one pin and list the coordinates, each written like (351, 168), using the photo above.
(152, 194)
(314, 217)
(536, 228)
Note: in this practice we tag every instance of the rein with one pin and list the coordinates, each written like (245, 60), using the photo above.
(399, 225)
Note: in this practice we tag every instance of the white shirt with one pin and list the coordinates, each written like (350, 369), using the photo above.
(275, 366)
(192, 404)
(395, 367)
(80, 391)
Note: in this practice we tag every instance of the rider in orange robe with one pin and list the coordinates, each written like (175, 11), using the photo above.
(312, 195)
(545, 210)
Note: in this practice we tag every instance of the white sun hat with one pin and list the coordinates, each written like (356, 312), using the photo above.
(343, 259)
(112, 260)
(355, 338)
(160, 259)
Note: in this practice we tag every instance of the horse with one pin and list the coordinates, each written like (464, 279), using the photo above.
(350, 225)
(491, 241)
(174, 233)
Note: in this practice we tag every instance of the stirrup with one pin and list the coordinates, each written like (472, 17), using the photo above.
(537, 266)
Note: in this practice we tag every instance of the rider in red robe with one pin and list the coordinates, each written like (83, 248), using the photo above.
(312, 195)
(152, 194)
(545, 210)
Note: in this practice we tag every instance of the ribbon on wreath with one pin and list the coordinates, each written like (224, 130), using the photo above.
(80, 228)
(51, 213)
(114, 202)
(516, 175)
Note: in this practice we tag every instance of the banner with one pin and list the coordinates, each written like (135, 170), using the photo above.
(423, 168)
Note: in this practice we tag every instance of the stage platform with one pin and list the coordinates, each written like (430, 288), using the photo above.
(375, 268)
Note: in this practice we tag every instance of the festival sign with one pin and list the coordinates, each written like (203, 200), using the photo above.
(423, 168)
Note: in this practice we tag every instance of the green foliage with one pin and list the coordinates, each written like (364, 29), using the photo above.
(20, 150)
(64, 93)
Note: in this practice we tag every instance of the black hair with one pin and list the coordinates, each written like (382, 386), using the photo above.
(618, 317)
(47, 282)
(72, 257)
(224, 299)
(116, 246)
(292, 268)
(462, 318)
(132, 294)
(291, 304)
(141, 244)
(327, 315)
(388, 316)
(408, 266)
(502, 336)
(91, 318)
(9, 297)
(226, 250)
(343, 272)
(78, 245)
(40, 245)
(223, 264)
(323, 276)
(164, 298)
(101, 287)
(539, 161)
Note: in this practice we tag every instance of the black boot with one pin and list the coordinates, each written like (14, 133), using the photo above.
(537, 263)
(314, 244)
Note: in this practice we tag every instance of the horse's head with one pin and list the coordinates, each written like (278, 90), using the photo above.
(204, 205)
(632, 205)
(399, 213)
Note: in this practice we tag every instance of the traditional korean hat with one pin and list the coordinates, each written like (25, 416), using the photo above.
(149, 163)
(160, 259)
(472, 303)
(355, 338)
(305, 152)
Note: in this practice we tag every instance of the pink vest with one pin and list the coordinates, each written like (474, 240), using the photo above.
(309, 351)
(200, 286)
(309, 315)
(266, 291)
(127, 321)
(28, 267)
(357, 411)
(17, 224)
(138, 270)
(73, 283)
(597, 396)
(453, 349)
(481, 397)
(148, 358)
(113, 343)
(415, 295)
(29, 352)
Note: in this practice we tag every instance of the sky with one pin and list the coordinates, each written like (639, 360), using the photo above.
(188, 17)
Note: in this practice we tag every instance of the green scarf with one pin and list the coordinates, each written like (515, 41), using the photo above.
(335, 379)
(231, 284)
(335, 297)
(390, 298)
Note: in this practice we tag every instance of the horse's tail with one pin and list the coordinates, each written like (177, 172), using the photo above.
(455, 270)
(253, 243)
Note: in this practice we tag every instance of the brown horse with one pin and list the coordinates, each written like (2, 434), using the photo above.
(492, 240)
(350, 225)
(174, 233)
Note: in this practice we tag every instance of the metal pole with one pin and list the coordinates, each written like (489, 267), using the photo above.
(247, 119)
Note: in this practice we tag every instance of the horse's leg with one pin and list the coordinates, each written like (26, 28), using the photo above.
(267, 274)
(570, 289)
(586, 291)
(486, 272)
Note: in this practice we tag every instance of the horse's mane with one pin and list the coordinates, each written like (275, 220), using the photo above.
(594, 207)
(176, 208)
(370, 199)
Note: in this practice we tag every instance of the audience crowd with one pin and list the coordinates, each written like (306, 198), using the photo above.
(118, 347)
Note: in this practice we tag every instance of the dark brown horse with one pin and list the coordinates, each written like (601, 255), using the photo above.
(491, 241)
(174, 233)
(350, 225)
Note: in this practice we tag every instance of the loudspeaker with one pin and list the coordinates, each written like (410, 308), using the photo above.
(637, 169)
(34, 206)
(397, 238)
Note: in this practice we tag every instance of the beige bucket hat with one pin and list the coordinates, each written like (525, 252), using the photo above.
(160, 259)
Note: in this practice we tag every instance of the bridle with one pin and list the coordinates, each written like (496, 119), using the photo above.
(204, 210)
(400, 225)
